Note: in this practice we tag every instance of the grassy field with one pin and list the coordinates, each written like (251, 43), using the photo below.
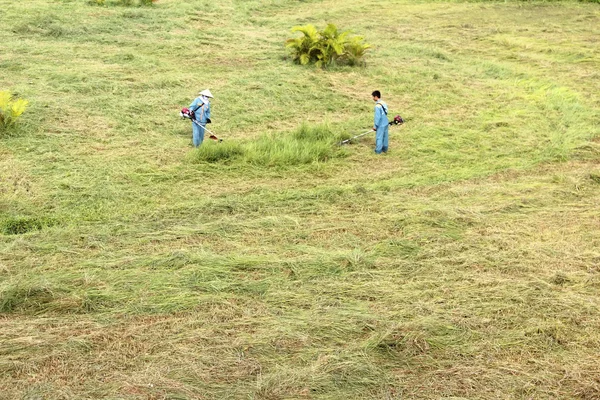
(465, 263)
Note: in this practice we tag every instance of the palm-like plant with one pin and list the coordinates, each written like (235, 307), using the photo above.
(326, 47)
(333, 43)
(355, 50)
(306, 48)
(10, 109)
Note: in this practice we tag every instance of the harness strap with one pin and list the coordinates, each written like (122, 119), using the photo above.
(202, 107)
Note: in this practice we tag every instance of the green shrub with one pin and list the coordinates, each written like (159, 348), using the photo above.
(326, 47)
(355, 50)
(11, 109)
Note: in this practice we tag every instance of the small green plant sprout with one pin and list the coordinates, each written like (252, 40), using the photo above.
(11, 109)
(327, 47)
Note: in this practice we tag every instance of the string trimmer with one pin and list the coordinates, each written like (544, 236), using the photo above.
(396, 121)
(186, 113)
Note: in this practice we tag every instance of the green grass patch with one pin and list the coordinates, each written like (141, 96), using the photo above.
(306, 145)
(23, 224)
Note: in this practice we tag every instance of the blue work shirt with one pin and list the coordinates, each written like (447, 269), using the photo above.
(201, 109)
(381, 119)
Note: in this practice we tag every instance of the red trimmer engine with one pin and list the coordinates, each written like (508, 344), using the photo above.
(397, 120)
(185, 113)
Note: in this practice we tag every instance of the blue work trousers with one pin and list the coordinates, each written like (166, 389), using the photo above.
(197, 134)
(381, 139)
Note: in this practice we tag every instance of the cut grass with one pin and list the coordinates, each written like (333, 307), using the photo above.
(275, 264)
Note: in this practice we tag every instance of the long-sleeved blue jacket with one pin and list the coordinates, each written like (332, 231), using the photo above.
(380, 119)
(201, 109)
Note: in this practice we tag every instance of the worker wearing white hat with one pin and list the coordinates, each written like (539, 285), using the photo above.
(200, 109)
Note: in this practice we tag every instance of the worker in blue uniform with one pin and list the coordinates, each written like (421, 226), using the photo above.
(381, 123)
(200, 109)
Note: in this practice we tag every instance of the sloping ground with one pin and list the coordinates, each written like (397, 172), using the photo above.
(465, 263)
(483, 289)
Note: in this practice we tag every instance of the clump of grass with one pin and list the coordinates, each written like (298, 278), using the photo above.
(47, 25)
(272, 150)
(18, 296)
(141, 3)
(20, 225)
(306, 145)
(126, 3)
(318, 133)
(595, 177)
(213, 152)
(34, 297)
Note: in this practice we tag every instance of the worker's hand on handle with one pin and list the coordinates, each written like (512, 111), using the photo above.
(374, 128)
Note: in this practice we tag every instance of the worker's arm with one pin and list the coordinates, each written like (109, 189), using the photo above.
(378, 112)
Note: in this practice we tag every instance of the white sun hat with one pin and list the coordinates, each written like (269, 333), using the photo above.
(206, 93)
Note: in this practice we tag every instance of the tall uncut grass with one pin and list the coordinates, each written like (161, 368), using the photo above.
(306, 145)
